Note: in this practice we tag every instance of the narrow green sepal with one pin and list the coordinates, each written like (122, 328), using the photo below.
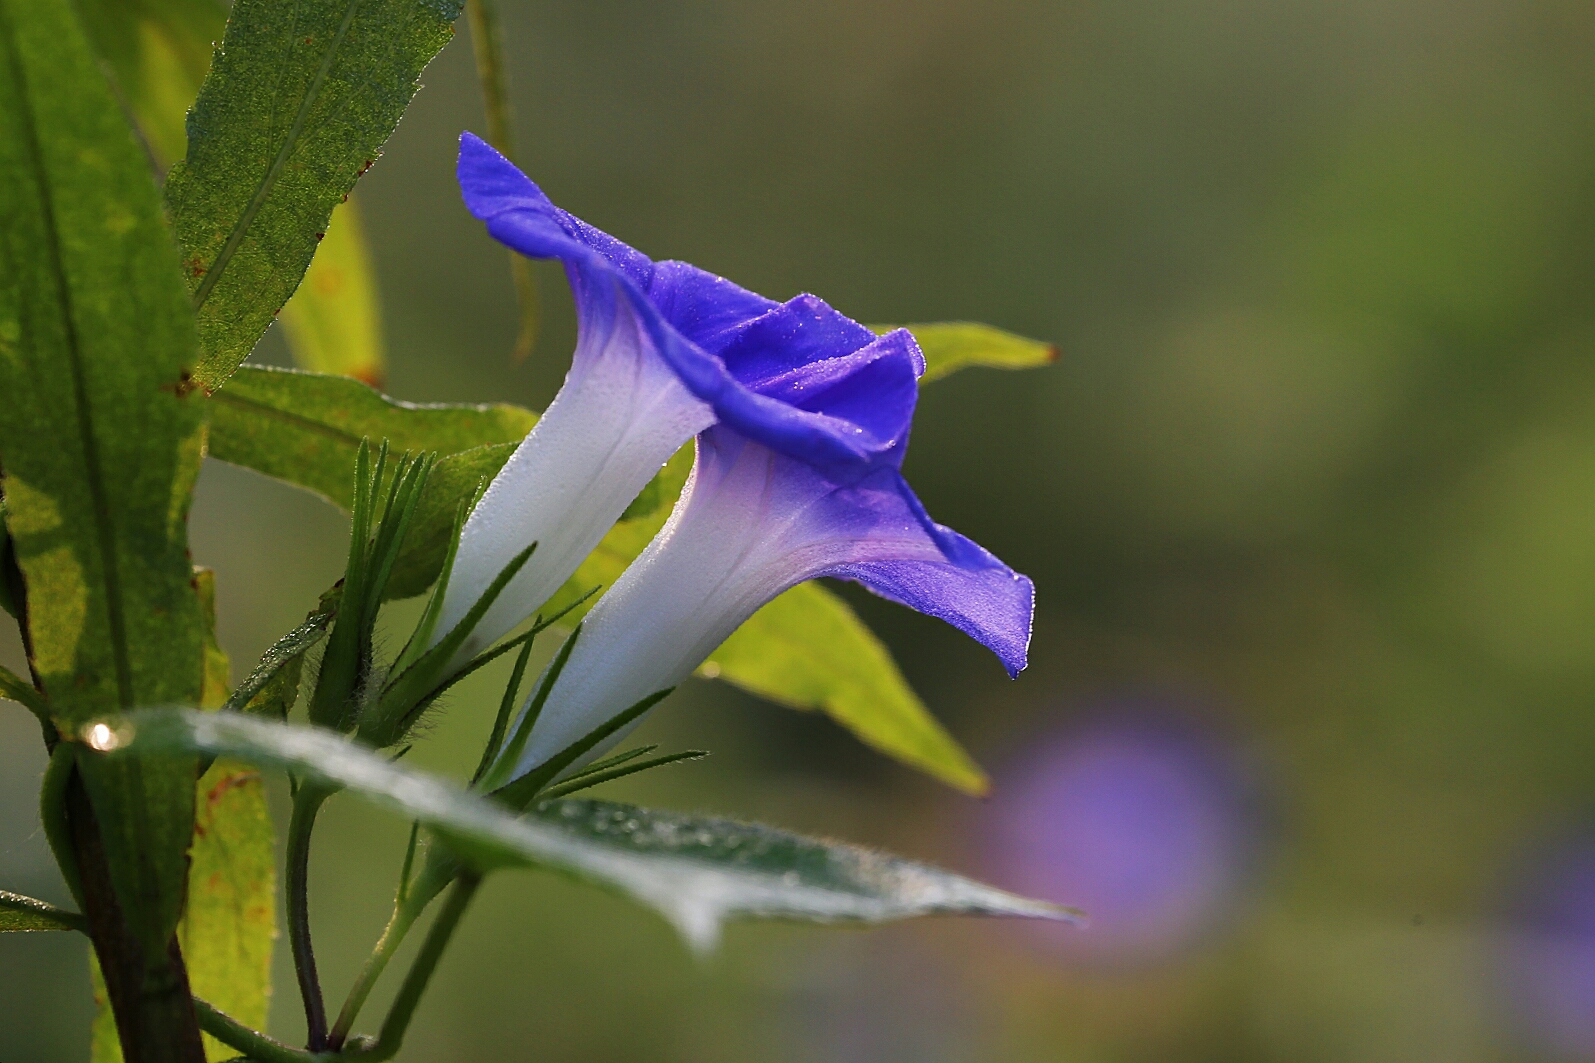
(523, 791)
(341, 666)
(510, 755)
(409, 693)
(593, 778)
(618, 758)
(506, 705)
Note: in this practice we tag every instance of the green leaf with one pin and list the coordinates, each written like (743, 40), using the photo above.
(809, 650)
(306, 427)
(230, 922)
(333, 323)
(696, 871)
(952, 345)
(100, 435)
(297, 105)
(23, 915)
(160, 51)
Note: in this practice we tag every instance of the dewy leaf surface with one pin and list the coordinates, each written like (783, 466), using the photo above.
(99, 435)
(696, 871)
(808, 650)
(297, 105)
(22, 915)
(952, 345)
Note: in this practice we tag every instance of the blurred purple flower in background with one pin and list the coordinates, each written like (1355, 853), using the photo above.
(1546, 948)
(1134, 816)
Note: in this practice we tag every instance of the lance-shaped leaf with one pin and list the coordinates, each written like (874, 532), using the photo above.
(160, 51)
(297, 105)
(22, 915)
(100, 435)
(697, 871)
(305, 428)
(809, 650)
(952, 345)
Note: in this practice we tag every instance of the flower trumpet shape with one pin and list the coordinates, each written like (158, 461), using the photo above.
(766, 509)
(664, 350)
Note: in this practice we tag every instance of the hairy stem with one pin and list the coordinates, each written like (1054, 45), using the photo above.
(307, 802)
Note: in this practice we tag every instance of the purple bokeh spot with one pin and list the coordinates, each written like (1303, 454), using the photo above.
(1137, 819)
(1547, 949)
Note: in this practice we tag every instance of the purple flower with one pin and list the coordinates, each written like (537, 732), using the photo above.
(802, 417)
(1545, 948)
(664, 350)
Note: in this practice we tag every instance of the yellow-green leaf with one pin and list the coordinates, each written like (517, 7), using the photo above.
(306, 427)
(809, 650)
(228, 928)
(953, 345)
(333, 323)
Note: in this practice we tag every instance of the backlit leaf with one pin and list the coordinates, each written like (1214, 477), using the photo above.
(100, 434)
(306, 427)
(953, 345)
(809, 650)
(297, 105)
(696, 871)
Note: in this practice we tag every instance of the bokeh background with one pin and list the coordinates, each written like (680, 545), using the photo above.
(1309, 500)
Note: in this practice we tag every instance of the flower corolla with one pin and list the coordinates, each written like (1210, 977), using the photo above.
(802, 418)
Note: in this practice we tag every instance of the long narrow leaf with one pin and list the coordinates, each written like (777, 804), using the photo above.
(696, 871)
(296, 106)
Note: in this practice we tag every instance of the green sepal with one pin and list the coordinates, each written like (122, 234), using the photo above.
(523, 791)
(594, 778)
(405, 696)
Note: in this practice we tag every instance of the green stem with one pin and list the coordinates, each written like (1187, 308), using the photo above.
(488, 45)
(307, 802)
(260, 1048)
(398, 926)
(52, 813)
(402, 1011)
(412, 901)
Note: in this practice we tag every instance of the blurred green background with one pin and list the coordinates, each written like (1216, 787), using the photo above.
(1309, 500)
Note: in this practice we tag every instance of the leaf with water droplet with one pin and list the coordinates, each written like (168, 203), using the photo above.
(697, 871)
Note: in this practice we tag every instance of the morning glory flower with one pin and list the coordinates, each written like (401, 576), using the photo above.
(766, 509)
(650, 371)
